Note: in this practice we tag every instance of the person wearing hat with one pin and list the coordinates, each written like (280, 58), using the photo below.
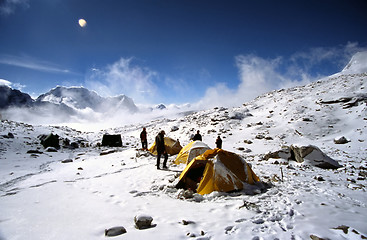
(161, 149)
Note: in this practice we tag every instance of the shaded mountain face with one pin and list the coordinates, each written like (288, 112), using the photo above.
(13, 98)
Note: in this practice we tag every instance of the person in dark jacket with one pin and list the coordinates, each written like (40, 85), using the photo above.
(161, 149)
(143, 138)
(218, 142)
(197, 136)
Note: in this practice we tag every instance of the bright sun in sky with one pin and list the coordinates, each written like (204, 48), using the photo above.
(82, 22)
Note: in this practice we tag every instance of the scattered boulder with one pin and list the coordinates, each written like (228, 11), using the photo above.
(247, 141)
(107, 152)
(67, 160)
(51, 140)
(188, 194)
(311, 155)
(284, 154)
(51, 149)
(115, 231)
(9, 135)
(314, 156)
(174, 128)
(314, 237)
(74, 145)
(259, 136)
(341, 140)
(185, 222)
(319, 178)
(34, 152)
(143, 222)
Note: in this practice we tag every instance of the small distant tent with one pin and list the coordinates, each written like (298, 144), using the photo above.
(190, 151)
(217, 170)
(112, 140)
(172, 146)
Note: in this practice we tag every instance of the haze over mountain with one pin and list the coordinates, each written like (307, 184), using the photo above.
(78, 104)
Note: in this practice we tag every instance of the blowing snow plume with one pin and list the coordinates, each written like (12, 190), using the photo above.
(259, 75)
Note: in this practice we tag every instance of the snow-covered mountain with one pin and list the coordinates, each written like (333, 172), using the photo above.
(82, 98)
(90, 189)
(62, 104)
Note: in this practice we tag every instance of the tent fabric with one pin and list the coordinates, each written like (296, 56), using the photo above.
(172, 146)
(190, 151)
(217, 170)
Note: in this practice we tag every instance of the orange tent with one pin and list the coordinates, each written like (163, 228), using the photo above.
(217, 170)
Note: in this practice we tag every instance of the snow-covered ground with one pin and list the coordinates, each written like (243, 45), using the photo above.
(43, 198)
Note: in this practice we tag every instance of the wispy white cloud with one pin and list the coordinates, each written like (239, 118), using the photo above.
(31, 63)
(5, 82)
(123, 77)
(8, 7)
(337, 55)
(10, 84)
(259, 75)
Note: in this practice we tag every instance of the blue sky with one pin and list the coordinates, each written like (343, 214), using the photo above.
(171, 51)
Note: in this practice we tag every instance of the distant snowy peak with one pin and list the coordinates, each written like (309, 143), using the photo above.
(358, 63)
(75, 97)
(161, 106)
(121, 102)
(13, 98)
(82, 98)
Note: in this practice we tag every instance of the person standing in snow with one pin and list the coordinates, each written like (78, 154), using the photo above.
(218, 142)
(143, 138)
(161, 149)
(197, 136)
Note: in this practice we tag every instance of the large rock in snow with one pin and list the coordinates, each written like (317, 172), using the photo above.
(314, 156)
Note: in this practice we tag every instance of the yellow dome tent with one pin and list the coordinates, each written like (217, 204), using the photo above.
(172, 146)
(217, 170)
(190, 151)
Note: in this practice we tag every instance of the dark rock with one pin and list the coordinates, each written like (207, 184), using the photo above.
(143, 221)
(74, 145)
(260, 136)
(51, 149)
(10, 135)
(319, 178)
(343, 228)
(314, 237)
(284, 153)
(184, 222)
(107, 152)
(247, 141)
(51, 140)
(341, 140)
(67, 160)
(174, 129)
(34, 152)
(115, 231)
